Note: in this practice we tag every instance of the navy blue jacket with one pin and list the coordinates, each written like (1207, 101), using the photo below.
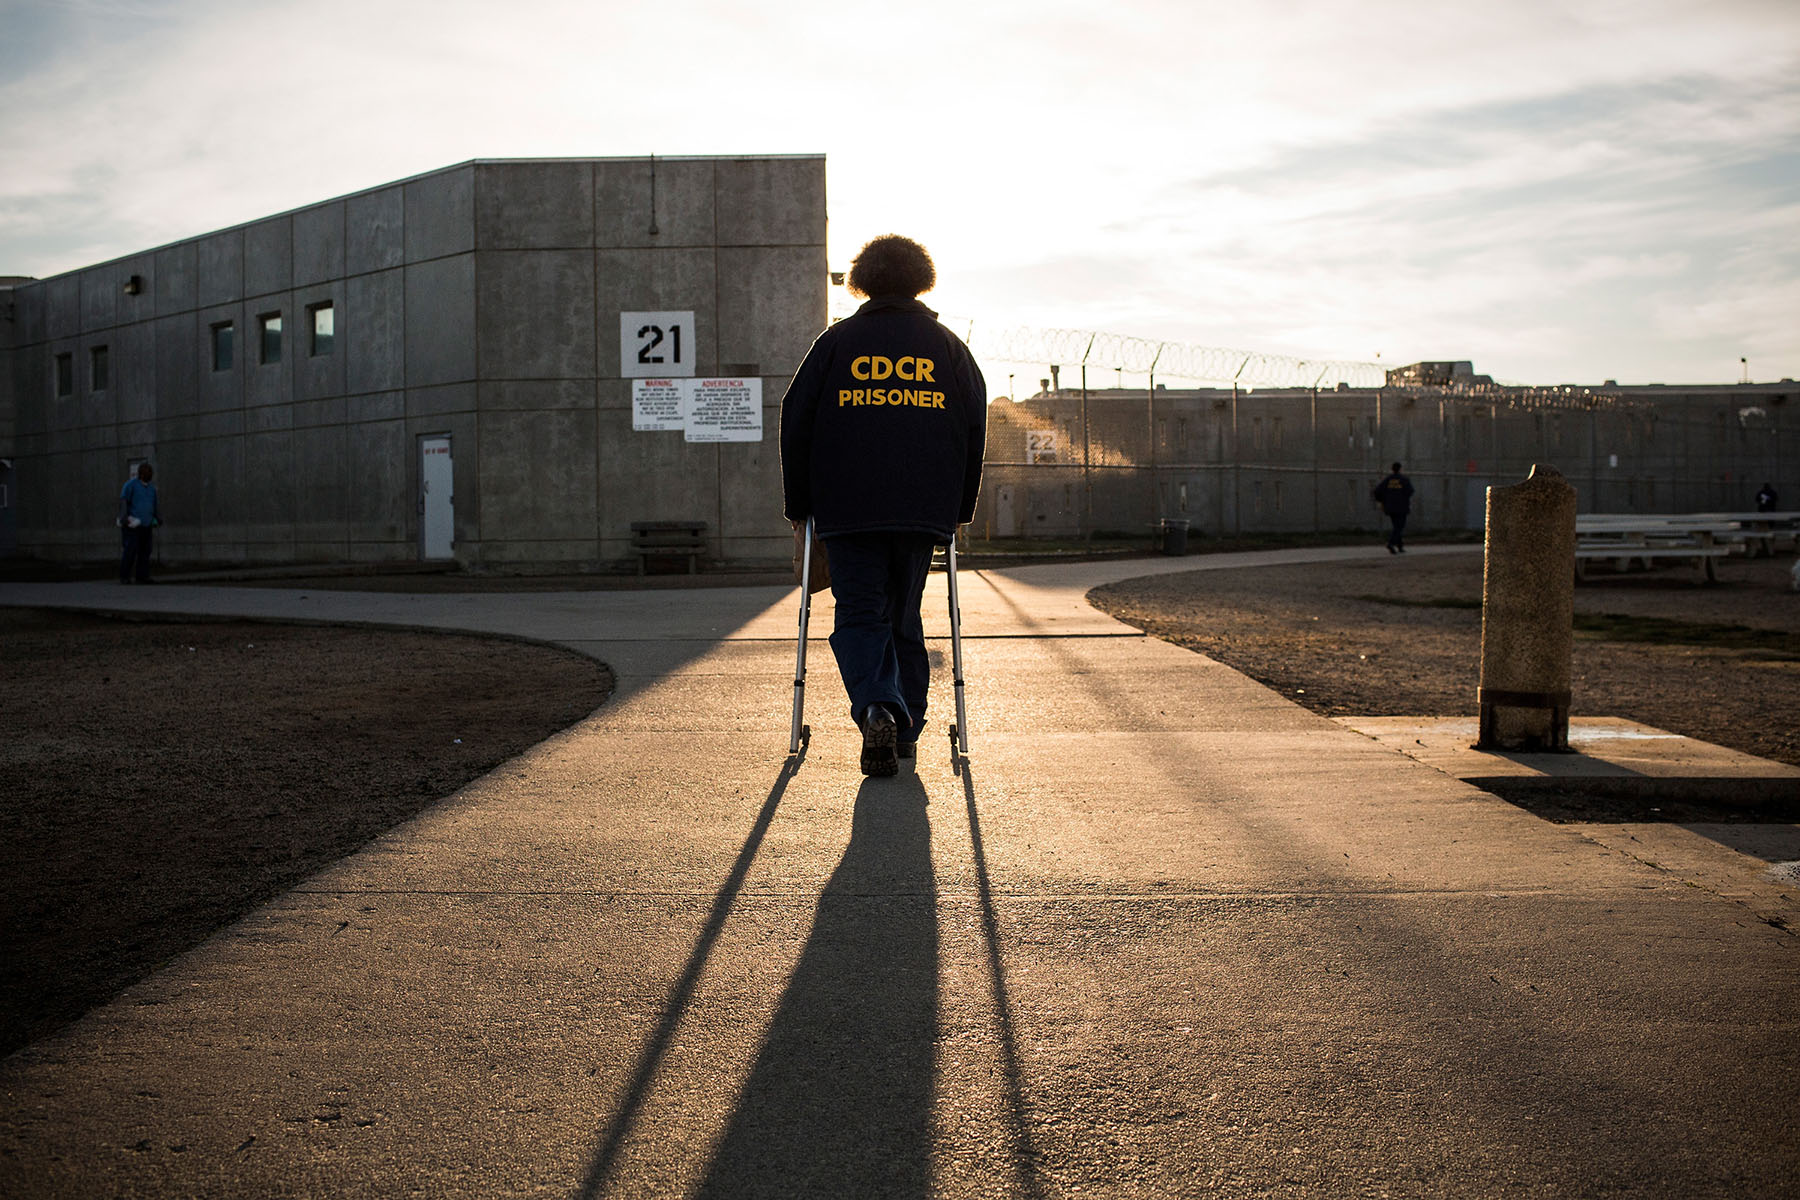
(883, 426)
(1395, 494)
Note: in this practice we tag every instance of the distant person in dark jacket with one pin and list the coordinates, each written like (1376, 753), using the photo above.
(1766, 500)
(138, 517)
(881, 441)
(1394, 494)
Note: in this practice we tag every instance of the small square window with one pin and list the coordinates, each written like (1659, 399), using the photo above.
(65, 375)
(324, 328)
(99, 374)
(271, 338)
(222, 346)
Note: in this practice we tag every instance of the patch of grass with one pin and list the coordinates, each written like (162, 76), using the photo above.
(1654, 631)
(1660, 631)
(1432, 602)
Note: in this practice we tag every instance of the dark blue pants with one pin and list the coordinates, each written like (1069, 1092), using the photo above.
(135, 555)
(877, 582)
(1397, 538)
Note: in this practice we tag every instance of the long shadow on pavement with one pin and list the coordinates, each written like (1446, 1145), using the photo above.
(681, 995)
(1021, 1148)
(839, 1102)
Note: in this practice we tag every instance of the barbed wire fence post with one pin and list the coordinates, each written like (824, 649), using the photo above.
(1087, 443)
(1237, 480)
(1156, 493)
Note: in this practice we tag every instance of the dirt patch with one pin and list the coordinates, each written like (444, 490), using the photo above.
(1401, 636)
(164, 778)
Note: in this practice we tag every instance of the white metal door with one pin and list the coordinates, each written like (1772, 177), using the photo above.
(437, 514)
(1006, 521)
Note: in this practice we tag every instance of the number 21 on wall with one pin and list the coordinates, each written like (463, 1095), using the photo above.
(650, 340)
(655, 344)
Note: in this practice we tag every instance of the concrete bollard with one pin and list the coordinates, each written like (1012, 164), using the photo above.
(1528, 614)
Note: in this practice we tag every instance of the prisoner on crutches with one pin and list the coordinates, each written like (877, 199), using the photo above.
(797, 731)
(959, 732)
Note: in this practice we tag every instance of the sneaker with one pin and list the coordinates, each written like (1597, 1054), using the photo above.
(879, 737)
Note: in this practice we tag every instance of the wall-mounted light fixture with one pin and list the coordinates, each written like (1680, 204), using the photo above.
(837, 279)
(134, 284)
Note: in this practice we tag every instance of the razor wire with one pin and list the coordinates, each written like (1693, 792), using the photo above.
(1169, 360)
(1247, 368)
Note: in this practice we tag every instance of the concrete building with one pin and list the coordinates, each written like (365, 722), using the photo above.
(1065, 464)
(299, 380)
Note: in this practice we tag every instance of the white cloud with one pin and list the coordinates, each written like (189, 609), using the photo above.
(1550, 188)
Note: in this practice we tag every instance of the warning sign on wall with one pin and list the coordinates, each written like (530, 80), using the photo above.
(724, 410)
(658, 405)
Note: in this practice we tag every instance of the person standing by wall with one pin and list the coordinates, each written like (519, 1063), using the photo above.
(1394, 494)
(138, 517)
(1766, 500)
(882, 433)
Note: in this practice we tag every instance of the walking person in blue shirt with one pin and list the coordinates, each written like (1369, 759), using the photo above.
(881, 440)
(138, 516)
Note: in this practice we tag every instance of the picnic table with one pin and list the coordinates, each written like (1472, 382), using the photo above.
(1700, 538)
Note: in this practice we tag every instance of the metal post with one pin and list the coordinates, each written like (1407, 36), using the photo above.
(1150, 407)
(1087, 466)
(796, 729)
(1593, 460)
(1237, 481)
(959, 733)
(1315, 454)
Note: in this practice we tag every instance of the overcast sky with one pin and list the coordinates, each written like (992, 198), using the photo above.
(1565, 191)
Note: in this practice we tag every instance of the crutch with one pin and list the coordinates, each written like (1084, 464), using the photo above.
(959, 732)
(796, 731)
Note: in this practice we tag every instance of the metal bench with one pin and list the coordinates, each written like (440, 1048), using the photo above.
(1623, 551)
(668, 539)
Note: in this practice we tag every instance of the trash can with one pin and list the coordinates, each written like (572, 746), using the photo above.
(1174, 535)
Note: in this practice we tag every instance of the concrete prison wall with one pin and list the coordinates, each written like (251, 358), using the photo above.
(1293, 460)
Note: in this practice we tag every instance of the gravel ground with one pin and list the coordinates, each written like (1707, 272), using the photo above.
(1401, 636)
(164, 778)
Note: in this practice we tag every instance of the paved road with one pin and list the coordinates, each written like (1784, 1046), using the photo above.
(1167, 934)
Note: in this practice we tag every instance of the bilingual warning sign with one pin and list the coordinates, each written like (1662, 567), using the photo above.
(724, 410)
(658, 405)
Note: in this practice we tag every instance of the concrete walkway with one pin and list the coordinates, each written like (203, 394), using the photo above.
(1168, 934)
